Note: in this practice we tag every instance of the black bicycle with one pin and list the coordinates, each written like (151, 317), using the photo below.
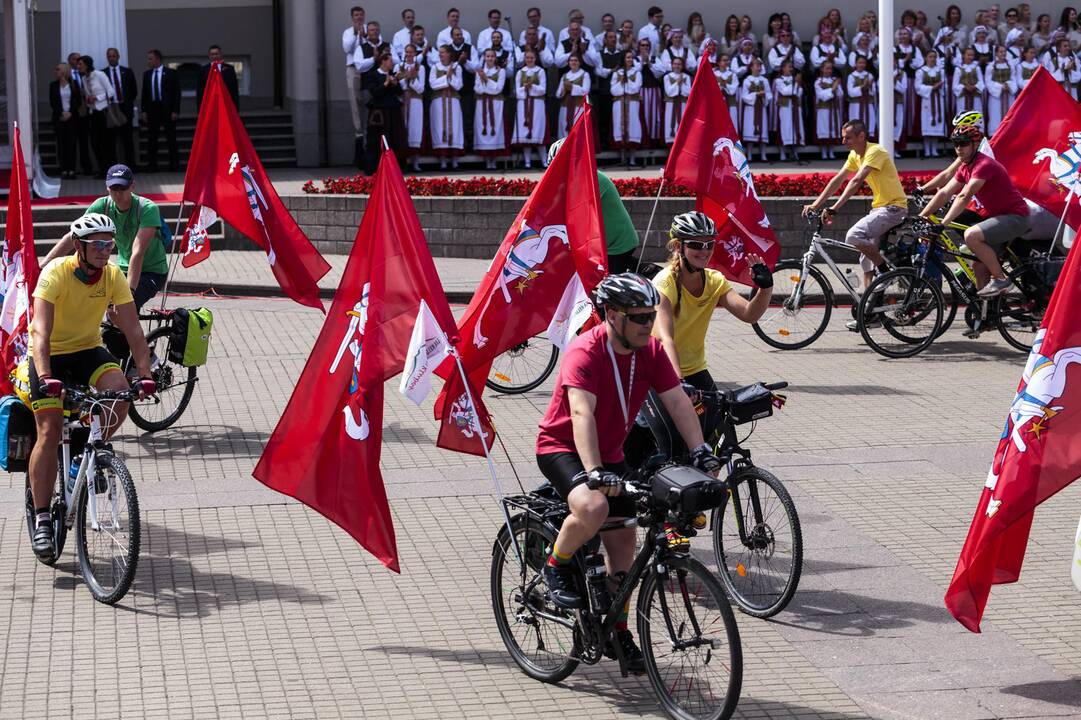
(176, 383)
(757, 539)
(686, 627)
(524, 366)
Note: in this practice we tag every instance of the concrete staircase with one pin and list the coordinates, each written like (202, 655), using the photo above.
(271, 133)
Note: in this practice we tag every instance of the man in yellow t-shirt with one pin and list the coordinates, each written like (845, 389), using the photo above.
(867, 162)
(72, 295)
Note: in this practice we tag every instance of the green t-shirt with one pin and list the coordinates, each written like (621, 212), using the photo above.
(127, 227)
(619, 231)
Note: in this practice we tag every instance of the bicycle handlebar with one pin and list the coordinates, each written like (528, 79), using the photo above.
(81, 395)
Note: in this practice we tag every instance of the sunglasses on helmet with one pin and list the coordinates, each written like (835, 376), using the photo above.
(645, 318)
(699, 244)
(100, 244)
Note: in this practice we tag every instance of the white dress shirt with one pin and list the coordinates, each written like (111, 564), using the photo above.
(651, 33)
(566, 33)
(400, 40)
(350, 40)
(542, 32)
(443, 38)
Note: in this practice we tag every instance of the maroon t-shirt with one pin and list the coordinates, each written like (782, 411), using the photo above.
(998, 196)
(588, 366)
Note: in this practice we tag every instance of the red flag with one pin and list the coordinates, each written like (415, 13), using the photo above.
(1039, 144)
(457, 430)
(707, 157)
(19, 274)
(325, 449)
(196, 243)
(225, 174)
(1038, 454)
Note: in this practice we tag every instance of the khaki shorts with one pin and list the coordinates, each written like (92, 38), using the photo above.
(997, 231)
(866, 232)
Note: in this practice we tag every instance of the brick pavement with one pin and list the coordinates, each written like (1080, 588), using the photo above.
(248, 605)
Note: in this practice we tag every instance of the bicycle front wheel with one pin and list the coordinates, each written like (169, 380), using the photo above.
(799, 309)
(176, 384)
(690, 641)
(540, 637)
(107, 530)
(524, 367)
(1021, 308)
(758, 543)
(901, 313)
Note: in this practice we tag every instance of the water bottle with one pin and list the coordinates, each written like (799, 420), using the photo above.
(597, 577)
(73, 471)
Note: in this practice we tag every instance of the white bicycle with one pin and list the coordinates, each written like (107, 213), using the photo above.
(98, 499)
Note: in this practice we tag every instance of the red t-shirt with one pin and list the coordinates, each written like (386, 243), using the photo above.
(998, 196)
(588, 366)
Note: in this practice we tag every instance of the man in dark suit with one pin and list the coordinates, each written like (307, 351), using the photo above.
(123, 80)
(161, 108)
(82, 123)
(228, 75)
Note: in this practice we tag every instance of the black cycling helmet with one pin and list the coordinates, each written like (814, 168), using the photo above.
(624, 291)
(692, 224)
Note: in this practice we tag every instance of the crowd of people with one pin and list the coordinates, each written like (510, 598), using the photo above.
(440, 93)
(95, 112)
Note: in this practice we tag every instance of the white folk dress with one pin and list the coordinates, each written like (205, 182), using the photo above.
(829, 110)
(932, 101)
(489, 137)
(755, 108)
(445, 111)
(531, 124)
(729, 83)
(677, 86)
(412, 103)
(863, 100)
(572, 91)
(998, 77)
(627, 108)
(787, 116)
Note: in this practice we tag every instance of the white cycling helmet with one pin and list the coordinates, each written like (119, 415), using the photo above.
(92, 224)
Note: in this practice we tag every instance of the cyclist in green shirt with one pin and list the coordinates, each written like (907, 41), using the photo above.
(619, 232)
(138, 235)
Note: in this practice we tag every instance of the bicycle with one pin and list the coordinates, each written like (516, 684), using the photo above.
(757, 537)
(523, 367)
(99, 500)
(176, 383)
(688, 632)
(803, 296)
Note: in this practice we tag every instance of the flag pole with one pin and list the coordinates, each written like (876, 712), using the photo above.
(1065, 208)
(176, 256)
(649, 225)
(474, 416)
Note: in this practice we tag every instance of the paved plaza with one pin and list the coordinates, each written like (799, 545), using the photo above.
(248, 605)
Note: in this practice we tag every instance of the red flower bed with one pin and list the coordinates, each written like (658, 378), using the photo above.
(767, 185)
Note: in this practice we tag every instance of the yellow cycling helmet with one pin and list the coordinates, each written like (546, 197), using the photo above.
(968, 118)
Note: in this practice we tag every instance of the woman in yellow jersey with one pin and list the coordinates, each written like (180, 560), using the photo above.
(690, 291)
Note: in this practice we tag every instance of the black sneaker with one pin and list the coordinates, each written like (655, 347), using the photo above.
(561, 586)
(43, 541)
(635, 662)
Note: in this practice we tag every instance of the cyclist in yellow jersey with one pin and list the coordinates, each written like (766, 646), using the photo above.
(690, 291)
(71, 298)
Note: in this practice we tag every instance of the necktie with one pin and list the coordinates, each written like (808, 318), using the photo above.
(116, 85)
(157, 85)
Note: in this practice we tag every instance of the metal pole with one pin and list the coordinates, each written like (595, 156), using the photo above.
(885, 75)
(173, 250)
(649, 225)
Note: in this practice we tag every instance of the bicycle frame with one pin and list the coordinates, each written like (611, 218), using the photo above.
(819, 243)
(87, 469)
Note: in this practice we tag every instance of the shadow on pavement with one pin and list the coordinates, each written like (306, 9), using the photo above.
(845, 614)
(211, 440)
(1060, 692)
(168, 585)
(868, 389)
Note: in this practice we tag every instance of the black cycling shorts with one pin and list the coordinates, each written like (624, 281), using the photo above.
(564, 471)
(78, 368)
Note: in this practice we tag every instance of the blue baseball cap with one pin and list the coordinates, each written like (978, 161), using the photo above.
(119, 176)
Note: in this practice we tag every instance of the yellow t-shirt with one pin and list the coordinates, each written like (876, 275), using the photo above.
(883, 179)
(695, 312)
(79, 308)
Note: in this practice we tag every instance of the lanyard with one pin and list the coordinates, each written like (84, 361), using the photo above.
(623, 399)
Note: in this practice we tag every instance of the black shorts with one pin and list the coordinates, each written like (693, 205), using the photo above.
(78, 368)
(565, 472)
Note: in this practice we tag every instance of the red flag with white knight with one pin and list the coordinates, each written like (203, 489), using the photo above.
(196, 244)
(457, 429)
(224, 174)
(19, 271)
(1039, 144)
(1038, 454)
(707, 157)
(325, 449)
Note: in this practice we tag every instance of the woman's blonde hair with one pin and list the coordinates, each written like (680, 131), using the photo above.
(65, 70)
(675, 265)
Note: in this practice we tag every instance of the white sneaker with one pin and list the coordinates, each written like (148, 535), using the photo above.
(854, 325)
(993, 288)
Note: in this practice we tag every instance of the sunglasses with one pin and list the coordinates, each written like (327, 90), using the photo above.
(961, 143)
(645, 318)
(700, 244)
(100, 244)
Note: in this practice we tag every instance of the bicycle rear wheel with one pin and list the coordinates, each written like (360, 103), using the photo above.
(791, 323)
(108, 538)
(1020, 309)
(176, 384)
(523, 367)
(690, 641)
(58, 509)
(761, 566)
(901, 313)
(543, 648)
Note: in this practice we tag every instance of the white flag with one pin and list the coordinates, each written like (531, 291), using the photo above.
(571, 314)
(427, 348)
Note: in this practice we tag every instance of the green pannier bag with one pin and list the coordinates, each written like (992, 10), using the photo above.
(190, 336)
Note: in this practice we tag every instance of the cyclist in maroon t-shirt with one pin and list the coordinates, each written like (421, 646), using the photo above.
(1004, 212)
(603, 380)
